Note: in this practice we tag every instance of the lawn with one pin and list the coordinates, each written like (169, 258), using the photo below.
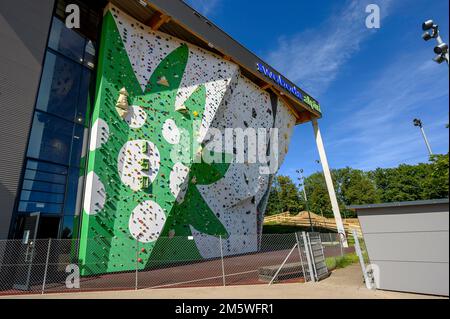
(344, 261)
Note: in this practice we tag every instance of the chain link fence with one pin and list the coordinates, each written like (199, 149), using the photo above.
(52, 265)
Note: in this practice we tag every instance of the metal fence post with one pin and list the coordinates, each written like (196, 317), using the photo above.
(221, 258)
(300, 253)
(46, 266)
(137, 266)
(308, 257)
(361, 260)
(313, 257)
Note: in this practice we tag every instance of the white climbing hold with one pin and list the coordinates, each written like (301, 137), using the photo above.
(95, 194)
(171, 132)
(146, 222)
(179, 181)
(136, 116)
(130, 159)
(99, 134)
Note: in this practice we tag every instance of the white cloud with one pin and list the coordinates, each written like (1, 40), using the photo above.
(205, 7)
(380, 132)
(314, 57)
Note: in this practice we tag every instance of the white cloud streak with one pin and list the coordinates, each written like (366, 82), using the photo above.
(313, 58)
(380, 133)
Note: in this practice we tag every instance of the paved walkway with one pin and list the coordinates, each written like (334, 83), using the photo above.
(343, 283)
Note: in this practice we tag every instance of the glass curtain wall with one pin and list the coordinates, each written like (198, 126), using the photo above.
(54, 165)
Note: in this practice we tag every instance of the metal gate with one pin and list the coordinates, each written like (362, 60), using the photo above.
(26, 252)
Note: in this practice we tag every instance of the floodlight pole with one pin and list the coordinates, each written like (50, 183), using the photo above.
(302, 180)
(426, 141)
(418, 122)
(446, 55)
(329, 182)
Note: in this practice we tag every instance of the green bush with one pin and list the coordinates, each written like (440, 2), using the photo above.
(341, 261)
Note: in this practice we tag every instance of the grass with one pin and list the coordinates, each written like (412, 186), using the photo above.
(338, 262)
(341, 261)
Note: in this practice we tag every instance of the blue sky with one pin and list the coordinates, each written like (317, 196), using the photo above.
(371, 83)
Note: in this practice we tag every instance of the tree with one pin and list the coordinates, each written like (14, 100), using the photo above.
(284, 197)
(438, 181)
(289, 195)
(403, 183)
(317, 193)
(354, 187)
(274, 203)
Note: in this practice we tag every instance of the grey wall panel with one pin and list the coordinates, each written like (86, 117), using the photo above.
(410, 245)
(24, 26)
(414, 277)
(413, 246)
(395, 222)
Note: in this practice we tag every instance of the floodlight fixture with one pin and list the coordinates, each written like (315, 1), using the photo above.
(441, 48)
(427, 25)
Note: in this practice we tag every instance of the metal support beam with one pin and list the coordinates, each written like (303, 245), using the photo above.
(157, 20)
(329, 182)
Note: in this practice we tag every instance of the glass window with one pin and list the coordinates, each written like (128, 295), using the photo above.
(66, 41)
(72, 191)
(77, 145)
(50, 138)
(83, 96)
(59, 89)
(39, 207)
(43, 187)
(33, 196)
(45, 177)
(46, 167)
(68, 227)
(89, 55)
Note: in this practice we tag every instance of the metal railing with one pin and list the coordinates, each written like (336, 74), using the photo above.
(53, 265)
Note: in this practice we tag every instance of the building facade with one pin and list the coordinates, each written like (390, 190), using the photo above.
(108, 126)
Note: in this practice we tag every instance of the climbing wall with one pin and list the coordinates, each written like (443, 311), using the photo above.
(143, 186)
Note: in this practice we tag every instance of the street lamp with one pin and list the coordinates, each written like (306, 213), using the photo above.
(418, 123)
(432, 32)
(302, 180)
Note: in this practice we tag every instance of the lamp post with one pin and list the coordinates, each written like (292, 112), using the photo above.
(432, 32)
(302, 183)
(418, 123)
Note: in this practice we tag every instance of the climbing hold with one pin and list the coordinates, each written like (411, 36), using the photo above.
(163, 81)
(181, 108)
(122, 103)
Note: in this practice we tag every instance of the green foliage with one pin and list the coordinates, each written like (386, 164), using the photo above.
(439, 176)
(355, 187)
(413, 182)
(284, 197)
(341, 261)
(352, 186)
